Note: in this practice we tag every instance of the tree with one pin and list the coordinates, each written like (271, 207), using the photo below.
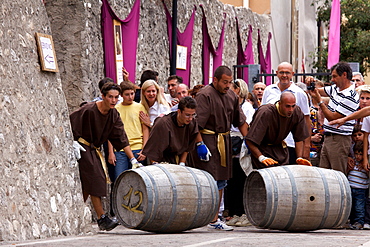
(355, 33)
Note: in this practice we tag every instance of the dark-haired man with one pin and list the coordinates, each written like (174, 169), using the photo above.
(93, 124)
(343, 101)
(172, 83)
(218, 109)
(173, 135)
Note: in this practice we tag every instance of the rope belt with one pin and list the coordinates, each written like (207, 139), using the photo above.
(220, 143)
(98, 152)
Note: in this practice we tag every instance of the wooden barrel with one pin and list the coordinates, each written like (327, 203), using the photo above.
(165, 198)
(297, 198)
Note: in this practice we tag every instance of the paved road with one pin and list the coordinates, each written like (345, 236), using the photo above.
(241, 236)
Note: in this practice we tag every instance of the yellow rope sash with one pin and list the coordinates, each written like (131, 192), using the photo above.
(104, 165)
(220, 143)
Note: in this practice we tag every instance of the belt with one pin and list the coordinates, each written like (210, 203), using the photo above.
(330, 134)
(98, 152)
(220, 143)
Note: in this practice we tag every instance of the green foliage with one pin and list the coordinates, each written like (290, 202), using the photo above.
(355, 33)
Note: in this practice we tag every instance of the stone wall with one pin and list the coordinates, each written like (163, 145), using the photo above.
(40, 193)
(76, 31)
(40, 188)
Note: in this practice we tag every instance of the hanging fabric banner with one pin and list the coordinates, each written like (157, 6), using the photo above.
(120, 38)
(334, 34)
(265, 61)
(212, 58)
(246, 56)
(184, 43)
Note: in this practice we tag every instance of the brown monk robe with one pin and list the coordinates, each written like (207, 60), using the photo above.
(168, 141)
(268, 130)
(94, 127)
(216, 112)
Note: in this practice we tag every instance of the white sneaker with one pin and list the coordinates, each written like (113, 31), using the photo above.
(366, 226)
(220, 225)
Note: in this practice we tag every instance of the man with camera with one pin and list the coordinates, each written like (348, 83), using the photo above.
(343, 101)
(272, 95)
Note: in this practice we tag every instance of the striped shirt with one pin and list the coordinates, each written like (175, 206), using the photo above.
(358, 178)
(344, 102)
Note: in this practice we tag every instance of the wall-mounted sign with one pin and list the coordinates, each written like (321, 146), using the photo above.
(181, 56)
(211, 71)
(45, 47)
(118, 50)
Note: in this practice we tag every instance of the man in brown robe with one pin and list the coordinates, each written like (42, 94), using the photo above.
(92, 125)
(218, 108)
(270, 126)
(173, 135)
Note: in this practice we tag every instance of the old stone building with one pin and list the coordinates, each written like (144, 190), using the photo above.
(40, 193)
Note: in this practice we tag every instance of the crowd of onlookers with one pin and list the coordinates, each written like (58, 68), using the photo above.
(329, 135)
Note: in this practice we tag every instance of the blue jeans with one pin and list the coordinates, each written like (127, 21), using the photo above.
(123, 162)
(358, 205)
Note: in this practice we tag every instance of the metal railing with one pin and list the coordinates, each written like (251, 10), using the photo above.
(254, 74)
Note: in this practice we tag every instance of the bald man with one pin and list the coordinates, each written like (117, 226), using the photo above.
(182, 91)
(272, 94)
(257, 91)
(265, 139)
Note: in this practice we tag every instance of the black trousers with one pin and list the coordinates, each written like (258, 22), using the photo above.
(233, 197)
(292, 156)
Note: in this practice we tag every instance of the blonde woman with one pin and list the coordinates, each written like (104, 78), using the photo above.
(153, 101)
(240, 88)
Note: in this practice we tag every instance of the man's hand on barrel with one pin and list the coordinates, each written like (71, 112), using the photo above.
(203, 151)
(135, 164)
(77, 148)
(266, 160)
(301, 161)
(140, 156)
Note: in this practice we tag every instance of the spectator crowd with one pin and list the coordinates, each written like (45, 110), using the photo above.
(226, 130)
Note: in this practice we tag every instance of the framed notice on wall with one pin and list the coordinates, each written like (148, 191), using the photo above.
(181, 56)
(45, 47)
(118, 50)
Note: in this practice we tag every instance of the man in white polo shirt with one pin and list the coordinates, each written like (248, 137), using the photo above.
(343, 101)
(272, 95)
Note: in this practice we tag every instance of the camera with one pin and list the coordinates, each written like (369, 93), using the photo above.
(311, 87)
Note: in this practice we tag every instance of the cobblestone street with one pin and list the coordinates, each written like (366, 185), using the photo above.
(241, 236)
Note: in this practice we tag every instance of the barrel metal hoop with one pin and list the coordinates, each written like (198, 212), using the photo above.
(327, 197)
(174, 197)
(199, 205)
(271, 204)
(294, 197)
(152, 190)
(340, 178)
